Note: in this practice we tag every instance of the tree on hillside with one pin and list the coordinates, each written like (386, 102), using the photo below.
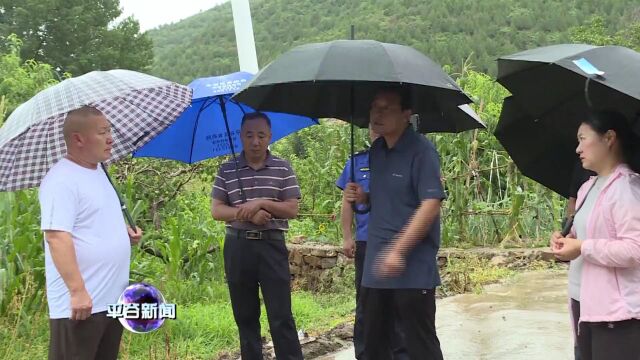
(76, 36)
(20, 80)
(596, 32)
(446, 31)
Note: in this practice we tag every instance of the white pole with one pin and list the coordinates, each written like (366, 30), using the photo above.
(244, 36)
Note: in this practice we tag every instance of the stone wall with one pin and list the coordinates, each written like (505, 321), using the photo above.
(317, 266)
(510, 258)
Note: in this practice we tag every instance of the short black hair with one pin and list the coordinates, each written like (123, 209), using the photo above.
(76, 115)
(402, 91)
(84, 111)
(255, 115)
(608, 119)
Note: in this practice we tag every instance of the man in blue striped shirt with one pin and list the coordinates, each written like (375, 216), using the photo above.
(255, 197)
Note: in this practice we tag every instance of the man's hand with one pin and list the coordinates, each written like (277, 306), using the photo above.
(390, 263)
(261, 217)
(134, 236)
(81, 304)
(248, 210)
(349, 247)
(567, 249)
(353, 192)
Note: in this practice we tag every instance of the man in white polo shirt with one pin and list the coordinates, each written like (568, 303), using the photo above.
(87, 243)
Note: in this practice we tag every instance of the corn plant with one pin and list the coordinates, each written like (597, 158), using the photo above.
(489, 202)
(21, 250)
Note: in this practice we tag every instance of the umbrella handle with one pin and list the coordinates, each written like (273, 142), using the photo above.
(567, 226)
(355, 209)
(569, 223)
(123, 206)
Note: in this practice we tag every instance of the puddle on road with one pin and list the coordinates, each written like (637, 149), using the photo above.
(524, 318)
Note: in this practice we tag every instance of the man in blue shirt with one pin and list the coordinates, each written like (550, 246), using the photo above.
(400, 270)
(357, 247)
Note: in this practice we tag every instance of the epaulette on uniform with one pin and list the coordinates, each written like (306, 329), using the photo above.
(362, 152)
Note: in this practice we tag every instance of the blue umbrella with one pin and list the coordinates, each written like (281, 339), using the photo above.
(210, 127)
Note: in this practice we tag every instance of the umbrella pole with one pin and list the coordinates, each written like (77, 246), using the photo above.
(351, 102)
(353, 160)
(586, 93)
(123, 206)
(223, 108)
(352, 140)
(587, 98)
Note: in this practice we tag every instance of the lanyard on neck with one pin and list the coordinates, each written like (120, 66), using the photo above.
(567, 226)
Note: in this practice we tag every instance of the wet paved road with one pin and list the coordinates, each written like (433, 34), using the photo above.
(524, 318)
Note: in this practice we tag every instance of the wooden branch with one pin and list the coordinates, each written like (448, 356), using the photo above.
(211, 250)
(190, 169)
(194, 169)
(151, 251)
(488, 212)
(471, 172)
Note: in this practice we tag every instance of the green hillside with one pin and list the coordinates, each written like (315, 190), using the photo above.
(449, 31)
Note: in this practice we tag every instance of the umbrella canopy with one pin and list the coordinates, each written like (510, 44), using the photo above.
(544, 155)
(201, 131)
(137, 105)
(552, 77)
(539, 122)
(338, 79)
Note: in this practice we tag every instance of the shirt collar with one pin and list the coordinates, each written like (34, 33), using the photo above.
(404, 141)
(269, 161)
(621, 169)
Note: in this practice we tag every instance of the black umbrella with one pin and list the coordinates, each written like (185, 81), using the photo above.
(551, 95)
(546, 156)
(545, 79)
(338, 79)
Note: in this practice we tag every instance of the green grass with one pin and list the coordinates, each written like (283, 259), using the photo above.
(471, 274)
(201, 331)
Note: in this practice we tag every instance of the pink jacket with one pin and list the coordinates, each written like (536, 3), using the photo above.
(610, 287)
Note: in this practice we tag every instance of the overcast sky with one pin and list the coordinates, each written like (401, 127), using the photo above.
(152, 13)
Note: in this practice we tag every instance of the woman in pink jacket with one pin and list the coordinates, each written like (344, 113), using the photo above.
(606, 235)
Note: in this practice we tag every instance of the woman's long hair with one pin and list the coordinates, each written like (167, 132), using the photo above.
(605, 120)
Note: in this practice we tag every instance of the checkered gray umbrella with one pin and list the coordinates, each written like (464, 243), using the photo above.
(137, 105)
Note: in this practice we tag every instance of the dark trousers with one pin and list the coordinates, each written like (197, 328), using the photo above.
(575, 317)
(415, 310)
(397, 339)
(97, 337)
(250, 264)
(618, 340)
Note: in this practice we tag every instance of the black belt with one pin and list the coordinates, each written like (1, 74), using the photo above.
(271, 234)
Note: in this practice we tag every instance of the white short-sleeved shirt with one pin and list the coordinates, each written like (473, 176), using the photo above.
(82, 202)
